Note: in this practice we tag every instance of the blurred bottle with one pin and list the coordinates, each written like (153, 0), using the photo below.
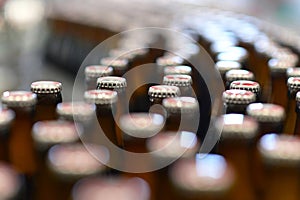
(225, 66)
(7, 117)
(236, 54)
(251, 86)
(237, 75)
(48, 96)
(119, 65)
(179, 69)
(93, 72)
(183, 82)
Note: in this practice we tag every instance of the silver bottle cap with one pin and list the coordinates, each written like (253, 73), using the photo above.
(101, 97)
(19, 98)
(46, 87)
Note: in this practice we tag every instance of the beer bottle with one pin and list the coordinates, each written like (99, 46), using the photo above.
(269, 116)
(119, 65)
(67, 163)
(237, 54)
(251, 86)
(167, 147)
(236, 101)
(159, 92)
(93, 72)
(7, 117)
(179, 69)
(281, 159)
(167, 60)
(237, 75)
(237, 145)
(205, 176)
(226, 65)
(183, 82)
(111, 188)
(48, 96)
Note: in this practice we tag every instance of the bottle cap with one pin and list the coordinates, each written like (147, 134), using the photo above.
(19, 98)
(237, 126)
(10, 182)
(6, 118)
(238, 54)
(226, 65)
(46, 87)
(75, 110)
(238, 97)
(180, 69)
(96, 71)
(111, 188)
(181, 104)
(279, 65)
(101, 97)
(293, 84)
(283, 150)
(251, 86)
(170, 60)
(239, 74)
(163, 91)
(111, 82)
(179, 80)
(115, 63)
(141, 125)
(266, 112)
(293, 72)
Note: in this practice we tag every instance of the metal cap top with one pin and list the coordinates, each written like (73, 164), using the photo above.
(19, 98)
(205, 174)
(226, 65)
(280, 149)
(246, 85)
(163, 91)
(111, 82)
(6, 118)
(46, 87)
(238, 54)
(266, 112)
(180, 69)
(74, 160)
(169, 60)
(48, 133)
(101, 97)
(111, 188)
(293, 72)
(10, 182)
(142, 125)
(239, 74)
(279, 65)
(76, 110)
(96, 71)
(115, 63)
(293, 84)
(179, 80)
(181, 104)
(237, 127)
(172, 145)
(238, 97)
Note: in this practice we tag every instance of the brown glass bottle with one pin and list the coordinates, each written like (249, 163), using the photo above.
(166, 148)
(7, 117)
(205, 177)
(48, 96)
(237, 145)
(237, 75)
(251, 86)
(183, 82)
(167, 60)
(111, 188)
(93, 72)
(67, 163)
(236, 101)
(119, 65)
(281, 159)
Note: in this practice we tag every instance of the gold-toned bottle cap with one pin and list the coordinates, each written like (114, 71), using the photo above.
(142, 125)
(237, 127)
(11, 182)
(75, 161)
(96, 71)
(293, 84)
(6, 118)
(115, 63)
(101, 97)
(226, 65)
(169, 60)
(49, 133)
(172, 145)
(279, 65)
(180, 69)
(179, 80)
(293, 72)
(46, 87)
(111, 82)
(251, 86)
(282, 150)
(208, 174)
(19, 98)
(239, 74)
(266, 112)
(75, 110)
(163, 91)
(238, 97)
(111, 188)
(181, 104)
